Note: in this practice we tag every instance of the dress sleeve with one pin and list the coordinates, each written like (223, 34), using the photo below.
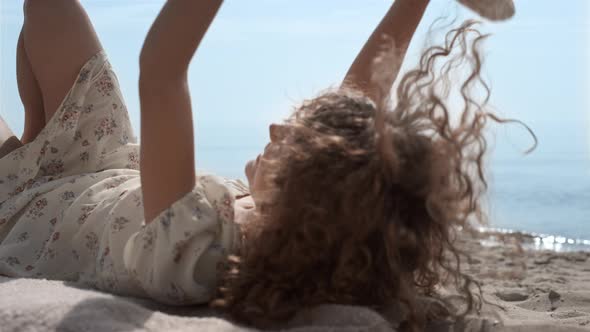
(174, 258)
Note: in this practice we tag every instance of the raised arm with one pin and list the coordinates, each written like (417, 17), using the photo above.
(167, 148)
(398, 25)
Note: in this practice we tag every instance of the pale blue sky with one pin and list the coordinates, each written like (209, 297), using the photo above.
(262, 56)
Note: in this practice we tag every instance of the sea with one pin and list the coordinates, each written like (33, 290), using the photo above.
(548, 198)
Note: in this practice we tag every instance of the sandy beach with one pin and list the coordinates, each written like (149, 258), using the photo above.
(531, 290)
(524, 291)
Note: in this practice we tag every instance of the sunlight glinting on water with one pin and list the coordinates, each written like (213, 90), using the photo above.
(540, 241)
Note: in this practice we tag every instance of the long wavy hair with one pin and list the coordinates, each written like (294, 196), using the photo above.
(365, 203)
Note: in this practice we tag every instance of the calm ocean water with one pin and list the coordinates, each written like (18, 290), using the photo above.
(546, 197)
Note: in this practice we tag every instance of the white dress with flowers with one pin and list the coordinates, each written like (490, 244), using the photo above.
(71, 206)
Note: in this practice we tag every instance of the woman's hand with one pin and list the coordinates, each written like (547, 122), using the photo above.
(494, 10)
(175, 36)
(8, 141)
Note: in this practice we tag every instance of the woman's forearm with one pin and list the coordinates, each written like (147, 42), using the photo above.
(176, 34)
(398, 26)
(167, 140)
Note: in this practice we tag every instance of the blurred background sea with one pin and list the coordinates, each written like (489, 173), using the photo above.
(549, 198)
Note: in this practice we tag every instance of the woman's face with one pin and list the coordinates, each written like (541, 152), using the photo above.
(256, 169)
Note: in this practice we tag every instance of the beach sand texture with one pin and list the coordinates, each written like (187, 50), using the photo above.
(532, 290)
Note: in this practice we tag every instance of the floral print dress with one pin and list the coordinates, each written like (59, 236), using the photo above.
(71, 206)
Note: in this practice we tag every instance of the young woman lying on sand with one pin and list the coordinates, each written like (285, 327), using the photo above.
(351, 202)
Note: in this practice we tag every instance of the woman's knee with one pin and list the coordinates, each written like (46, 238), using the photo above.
(33, 7)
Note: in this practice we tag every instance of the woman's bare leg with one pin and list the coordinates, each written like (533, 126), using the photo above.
(30, 94)
(58, 39)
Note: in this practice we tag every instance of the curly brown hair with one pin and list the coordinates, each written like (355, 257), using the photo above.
(365, 205)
